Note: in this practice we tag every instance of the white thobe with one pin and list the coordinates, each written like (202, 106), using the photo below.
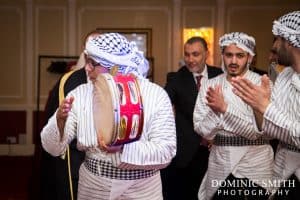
(282, 121)
(154, 150)
(254, 162)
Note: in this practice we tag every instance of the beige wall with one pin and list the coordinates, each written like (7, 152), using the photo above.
(56, 27)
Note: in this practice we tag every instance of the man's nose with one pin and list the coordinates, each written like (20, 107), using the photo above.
(190, 59)
(234, 59)
(88, 67)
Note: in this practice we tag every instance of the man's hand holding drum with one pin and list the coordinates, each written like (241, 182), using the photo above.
(109, 149)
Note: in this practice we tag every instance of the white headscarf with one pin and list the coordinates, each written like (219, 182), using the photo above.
(113, 49)
(288, 27)
(241, 40)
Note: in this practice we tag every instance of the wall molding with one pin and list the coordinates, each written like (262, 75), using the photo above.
(72, 28)
(164, 9)
(18, 11)
(252, 8)
(38, 10)
(16, 150)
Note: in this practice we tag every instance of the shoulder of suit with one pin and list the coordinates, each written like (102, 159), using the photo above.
(183, 69)
(213, 71)
(214, 68)
(171, 75)
(183, 72)
(78, 75)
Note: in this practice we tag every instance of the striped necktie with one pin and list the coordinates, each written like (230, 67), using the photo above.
(198, 78)
(203, 141)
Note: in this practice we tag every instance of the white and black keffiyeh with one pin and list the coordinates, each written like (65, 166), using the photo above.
(288, 27)
(112, 49)
(242, 40)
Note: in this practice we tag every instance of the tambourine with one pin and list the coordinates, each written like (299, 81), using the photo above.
(117, 109)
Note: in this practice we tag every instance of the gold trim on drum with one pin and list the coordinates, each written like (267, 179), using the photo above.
(134, 126)
(122, 97)
(133, 92)
(114, 70)
(140, 100)
(123, 127)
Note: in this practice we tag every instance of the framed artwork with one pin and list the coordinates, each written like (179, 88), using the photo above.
(151, 69)
(50, 69)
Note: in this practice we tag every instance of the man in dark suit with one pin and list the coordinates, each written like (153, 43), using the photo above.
(54, 172)
(54, 180)
(182, 178)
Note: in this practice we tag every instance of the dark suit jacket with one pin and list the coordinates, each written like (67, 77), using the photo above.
(54, 171)
(182, 91)
(75, 79)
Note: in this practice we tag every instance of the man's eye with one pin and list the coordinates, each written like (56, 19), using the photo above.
(228, 55)
(240, 55)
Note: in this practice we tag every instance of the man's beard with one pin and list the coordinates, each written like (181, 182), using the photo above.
(283, 57)
(240, 70)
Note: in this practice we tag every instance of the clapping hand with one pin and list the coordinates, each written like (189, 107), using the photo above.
(257, 96)
(215, 99)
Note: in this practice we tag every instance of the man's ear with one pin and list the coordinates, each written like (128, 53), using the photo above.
(250, 59)
(207, 54)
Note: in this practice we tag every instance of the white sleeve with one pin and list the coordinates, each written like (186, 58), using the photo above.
(50, 135)
(278, 124)
(157, 146)
(206, 122)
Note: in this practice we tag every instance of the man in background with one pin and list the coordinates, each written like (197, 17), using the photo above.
(55, 178)
(239, 153)
(182, 178)
(279, 107)
(125, 171)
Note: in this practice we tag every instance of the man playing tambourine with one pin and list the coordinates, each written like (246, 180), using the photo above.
(115, 170)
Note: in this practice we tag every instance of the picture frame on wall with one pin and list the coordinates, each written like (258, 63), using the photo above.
(50, 69)
(151, 68)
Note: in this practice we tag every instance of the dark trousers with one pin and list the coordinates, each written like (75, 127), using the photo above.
(291, 191)
(250, 191)
(183, 183)
(55, 177)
